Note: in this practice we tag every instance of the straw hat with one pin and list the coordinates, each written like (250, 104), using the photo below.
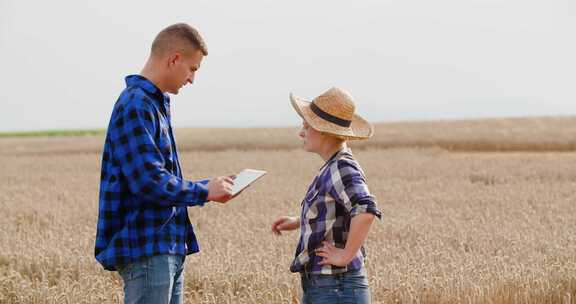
(333, 113)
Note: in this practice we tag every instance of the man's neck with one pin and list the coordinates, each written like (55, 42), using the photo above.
(150, 72)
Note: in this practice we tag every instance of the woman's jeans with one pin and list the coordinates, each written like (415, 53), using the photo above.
(348, 287)
(158, 280)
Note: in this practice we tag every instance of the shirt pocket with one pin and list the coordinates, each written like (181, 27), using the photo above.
(311, 196)
(310, 204)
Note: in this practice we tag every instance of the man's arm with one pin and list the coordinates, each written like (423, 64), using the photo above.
(142, 163)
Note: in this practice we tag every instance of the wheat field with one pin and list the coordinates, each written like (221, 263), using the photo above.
(473, 212)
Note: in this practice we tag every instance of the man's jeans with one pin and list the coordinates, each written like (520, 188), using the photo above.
(344, 288)
(157, 280)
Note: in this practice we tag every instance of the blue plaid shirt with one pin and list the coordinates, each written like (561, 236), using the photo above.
(143, 197)
(338, 193)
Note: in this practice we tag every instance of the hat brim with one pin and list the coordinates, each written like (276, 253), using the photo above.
(359, 128)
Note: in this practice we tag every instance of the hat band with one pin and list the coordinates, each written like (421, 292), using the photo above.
(329, 117)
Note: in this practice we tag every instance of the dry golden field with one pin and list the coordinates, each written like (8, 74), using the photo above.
(474, 212)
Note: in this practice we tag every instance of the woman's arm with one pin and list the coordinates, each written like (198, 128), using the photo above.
(285, 223)
(359, 228)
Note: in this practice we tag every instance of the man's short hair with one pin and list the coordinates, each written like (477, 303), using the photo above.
(178, 37)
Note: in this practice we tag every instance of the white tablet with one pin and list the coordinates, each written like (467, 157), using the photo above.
(245, 178)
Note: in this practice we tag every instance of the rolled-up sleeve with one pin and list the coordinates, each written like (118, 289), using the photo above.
(348, 187)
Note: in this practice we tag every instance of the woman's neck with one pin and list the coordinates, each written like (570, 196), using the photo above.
(330, 150)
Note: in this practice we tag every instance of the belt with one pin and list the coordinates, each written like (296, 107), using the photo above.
(306, 273)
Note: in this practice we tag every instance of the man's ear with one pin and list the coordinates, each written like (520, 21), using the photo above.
(173, 59)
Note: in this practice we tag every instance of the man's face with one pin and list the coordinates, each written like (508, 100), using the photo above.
(182, 69)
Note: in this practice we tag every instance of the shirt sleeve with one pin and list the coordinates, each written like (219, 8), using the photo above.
(348, 188)
(141, 162)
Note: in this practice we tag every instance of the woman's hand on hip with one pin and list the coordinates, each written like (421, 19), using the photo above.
(333, 255)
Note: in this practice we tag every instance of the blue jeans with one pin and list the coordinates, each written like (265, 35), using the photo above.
(158, 280)
(344, 288)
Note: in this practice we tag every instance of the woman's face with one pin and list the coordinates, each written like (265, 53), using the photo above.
(311, 138)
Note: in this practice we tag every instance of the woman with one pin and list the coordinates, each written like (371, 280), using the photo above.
(338, 209)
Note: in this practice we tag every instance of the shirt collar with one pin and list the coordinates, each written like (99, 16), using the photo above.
(146, 85)
(336, 156)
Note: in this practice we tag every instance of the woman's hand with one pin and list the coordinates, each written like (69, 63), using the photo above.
(333, 255)
(285, 223)
(359, 227)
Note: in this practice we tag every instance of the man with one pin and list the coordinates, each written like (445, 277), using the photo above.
(144, 231)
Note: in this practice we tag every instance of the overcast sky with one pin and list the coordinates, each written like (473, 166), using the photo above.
(63, 63)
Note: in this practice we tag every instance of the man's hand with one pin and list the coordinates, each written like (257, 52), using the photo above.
(333, 255)
(220, 189)
(285, 223)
